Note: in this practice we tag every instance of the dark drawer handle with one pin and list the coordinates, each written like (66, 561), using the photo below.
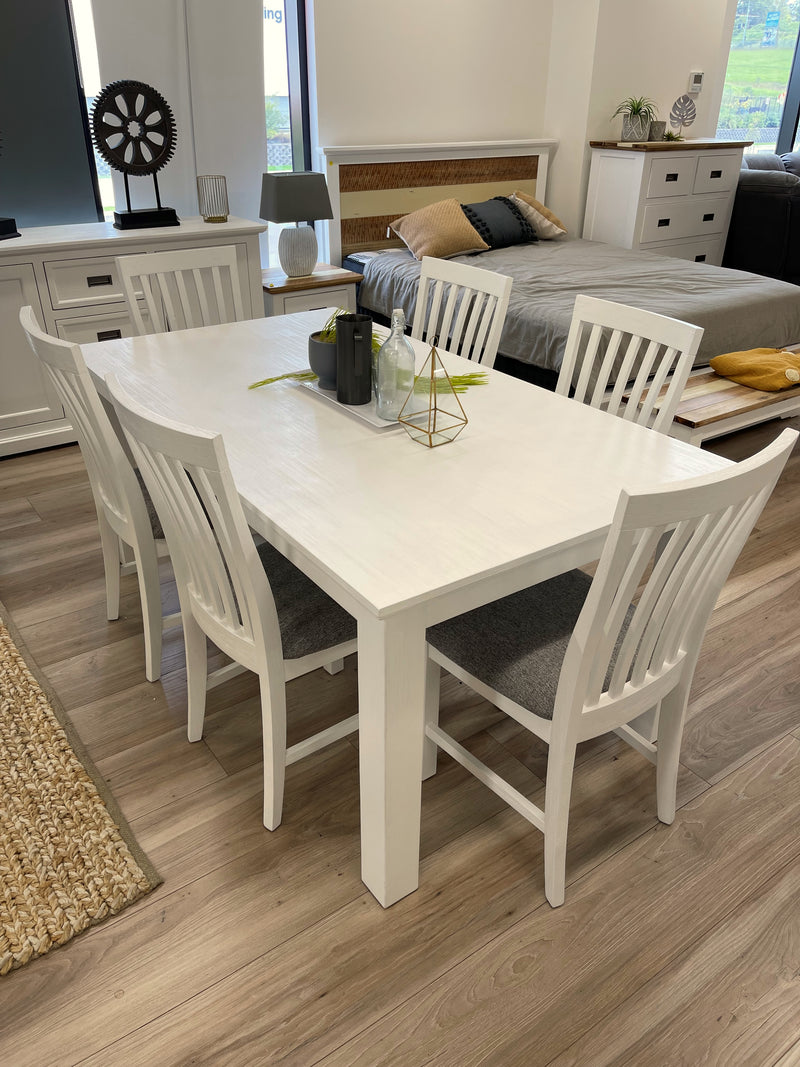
(700, 259)
(709, 217)
(94, 280)
(109, 335)
(715, 174)
(664, 222)
(671, 178)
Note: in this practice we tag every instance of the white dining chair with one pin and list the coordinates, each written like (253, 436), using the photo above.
(575, 657)
(125, 513)
(256, 606)
(461, 308)
(619, 358)
(178, 290)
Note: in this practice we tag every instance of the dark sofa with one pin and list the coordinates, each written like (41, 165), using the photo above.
(764, 234)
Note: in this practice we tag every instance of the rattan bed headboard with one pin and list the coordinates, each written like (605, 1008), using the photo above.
(370, 186)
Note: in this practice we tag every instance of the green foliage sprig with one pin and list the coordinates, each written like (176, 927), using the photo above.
(458, 383)
(294, 376)
(637, 107)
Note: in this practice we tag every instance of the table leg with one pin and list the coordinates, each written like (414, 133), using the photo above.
(391, 697)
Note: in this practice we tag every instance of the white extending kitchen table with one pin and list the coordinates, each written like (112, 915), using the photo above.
(401, 535)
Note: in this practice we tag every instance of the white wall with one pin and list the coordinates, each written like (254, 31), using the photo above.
(650, 49)
(205, 57)
(569, 96)
(625, 48)
(405, 71)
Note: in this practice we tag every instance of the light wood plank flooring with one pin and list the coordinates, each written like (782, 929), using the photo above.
(676, 946)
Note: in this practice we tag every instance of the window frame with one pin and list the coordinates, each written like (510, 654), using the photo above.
(787, 131)
(297, 68)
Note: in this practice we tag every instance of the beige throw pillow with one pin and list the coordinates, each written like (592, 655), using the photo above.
(546, 224)
(441, 229)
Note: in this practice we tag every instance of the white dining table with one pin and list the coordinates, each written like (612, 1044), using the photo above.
(401, 535)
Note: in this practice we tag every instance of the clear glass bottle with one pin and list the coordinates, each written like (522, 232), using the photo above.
(395, 363)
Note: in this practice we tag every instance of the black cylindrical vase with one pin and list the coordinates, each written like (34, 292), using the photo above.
(353, 359)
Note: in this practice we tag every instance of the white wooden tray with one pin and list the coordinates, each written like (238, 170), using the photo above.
(365, 412)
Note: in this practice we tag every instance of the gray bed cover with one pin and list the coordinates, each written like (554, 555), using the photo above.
(738, 311)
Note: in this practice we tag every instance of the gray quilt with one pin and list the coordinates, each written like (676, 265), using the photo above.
(738, 311)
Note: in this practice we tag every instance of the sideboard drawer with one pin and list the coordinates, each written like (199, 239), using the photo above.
(717, 173)
(671, 177)
(697, 250)
(73, 282)
(85, 329)
(690, 218)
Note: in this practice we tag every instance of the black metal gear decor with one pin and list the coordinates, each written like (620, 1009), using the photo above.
(133, 129)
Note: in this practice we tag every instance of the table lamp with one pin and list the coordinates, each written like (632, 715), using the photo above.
(296, 196)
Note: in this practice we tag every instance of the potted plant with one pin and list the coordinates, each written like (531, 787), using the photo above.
(322, 351)
(637, 114)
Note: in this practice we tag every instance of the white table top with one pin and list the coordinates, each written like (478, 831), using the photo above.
(392, 521)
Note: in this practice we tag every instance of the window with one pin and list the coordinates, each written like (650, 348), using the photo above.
(90, 76)
(761, 98)
(285, 93)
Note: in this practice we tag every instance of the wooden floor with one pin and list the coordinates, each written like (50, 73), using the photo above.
(676, 946)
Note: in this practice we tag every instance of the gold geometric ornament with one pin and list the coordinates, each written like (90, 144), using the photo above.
(432, 413)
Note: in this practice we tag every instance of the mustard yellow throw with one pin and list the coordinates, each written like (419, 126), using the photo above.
(770, 369)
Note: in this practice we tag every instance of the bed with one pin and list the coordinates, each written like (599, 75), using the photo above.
(371, 187)
(736, 310)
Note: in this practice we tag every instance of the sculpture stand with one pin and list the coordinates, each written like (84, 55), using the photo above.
(142, 217)
(8, 228)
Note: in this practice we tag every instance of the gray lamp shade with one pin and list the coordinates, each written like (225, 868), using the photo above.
(295, 196)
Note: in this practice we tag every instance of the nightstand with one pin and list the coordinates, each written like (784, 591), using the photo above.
(326, 287)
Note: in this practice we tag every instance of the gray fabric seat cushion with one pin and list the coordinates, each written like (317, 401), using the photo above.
(309, 619)
(517, 645)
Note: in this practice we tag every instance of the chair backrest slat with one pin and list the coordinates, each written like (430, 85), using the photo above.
(620, 358)
(183, 289)
(111, 476)
(222, 578)
(464, 307)
(676, 547)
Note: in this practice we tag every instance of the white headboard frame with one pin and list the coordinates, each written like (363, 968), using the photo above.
(331, 158)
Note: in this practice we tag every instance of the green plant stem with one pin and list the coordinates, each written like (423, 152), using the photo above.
(295, 376)
(458, 383)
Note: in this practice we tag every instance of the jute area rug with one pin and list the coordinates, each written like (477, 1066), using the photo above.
(68, 859)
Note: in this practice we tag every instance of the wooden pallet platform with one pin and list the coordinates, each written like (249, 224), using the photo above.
(712, 406)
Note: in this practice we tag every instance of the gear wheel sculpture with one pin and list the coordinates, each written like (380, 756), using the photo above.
(133, 129)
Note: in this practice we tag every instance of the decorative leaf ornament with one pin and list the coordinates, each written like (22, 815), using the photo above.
(683, 112)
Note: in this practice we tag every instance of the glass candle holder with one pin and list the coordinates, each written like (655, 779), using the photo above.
(212, 197)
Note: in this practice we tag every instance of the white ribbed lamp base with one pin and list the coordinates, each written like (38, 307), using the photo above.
(297, 251)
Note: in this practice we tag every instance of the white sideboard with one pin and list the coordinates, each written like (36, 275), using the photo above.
(671, 198)
(68, 276)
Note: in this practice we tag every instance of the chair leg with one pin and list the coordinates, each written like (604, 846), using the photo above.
(560, 765)
(152, 619)
(196, 674)
(334, 667)
(668, 750)
(273, 727)
(433, 678)
(109, 542)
